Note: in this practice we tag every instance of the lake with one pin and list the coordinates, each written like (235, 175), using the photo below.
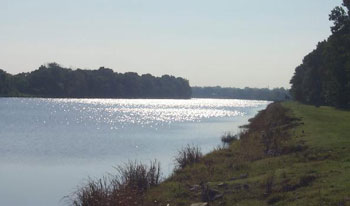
(48, 147)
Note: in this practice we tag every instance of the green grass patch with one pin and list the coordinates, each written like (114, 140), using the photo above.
(290, 154)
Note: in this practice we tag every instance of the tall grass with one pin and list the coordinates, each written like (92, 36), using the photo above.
(127, 187)
(138, 175)
(94, 192)
(188, 156)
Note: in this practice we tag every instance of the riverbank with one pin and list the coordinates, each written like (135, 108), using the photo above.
(289, 154)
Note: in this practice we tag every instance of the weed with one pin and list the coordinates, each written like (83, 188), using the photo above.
(126, 188)
(188, 156)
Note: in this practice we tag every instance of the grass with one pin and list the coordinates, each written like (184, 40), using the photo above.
(187, 156)
(289, 154)
(126, 188)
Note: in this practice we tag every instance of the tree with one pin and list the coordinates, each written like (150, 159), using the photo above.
(5, 83)
(53, 80)
(340, 17)
(324, 76)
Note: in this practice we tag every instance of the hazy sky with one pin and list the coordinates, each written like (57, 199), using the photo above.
(237, 43)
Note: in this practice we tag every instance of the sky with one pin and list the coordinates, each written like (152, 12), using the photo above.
(229, 43)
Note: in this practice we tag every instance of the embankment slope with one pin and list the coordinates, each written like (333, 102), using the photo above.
(289, 154)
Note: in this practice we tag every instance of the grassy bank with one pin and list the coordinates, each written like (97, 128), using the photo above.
(289, 154)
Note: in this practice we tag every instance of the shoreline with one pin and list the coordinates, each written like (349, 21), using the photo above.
(285, 157)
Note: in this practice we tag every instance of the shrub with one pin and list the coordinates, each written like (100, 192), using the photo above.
(188, 156)
(125, 188)
(138, 175)
(228, 138)
(95, 192)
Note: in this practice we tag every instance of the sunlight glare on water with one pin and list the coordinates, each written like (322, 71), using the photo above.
(148, 112)
(50, 146)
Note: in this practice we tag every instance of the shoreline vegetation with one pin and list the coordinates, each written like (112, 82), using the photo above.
(276, 94)
(288, 154)
(55, 81)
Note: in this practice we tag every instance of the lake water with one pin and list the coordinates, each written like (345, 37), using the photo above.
(48, 147)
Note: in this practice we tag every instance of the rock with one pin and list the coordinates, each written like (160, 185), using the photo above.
(298, 148)
(214, 194)
(222, 184)
(210, 194)
(233, 178)
(195, 188)
(200, 204)
(246, 187)
(237, 187)
(243, 176)
(218, 196)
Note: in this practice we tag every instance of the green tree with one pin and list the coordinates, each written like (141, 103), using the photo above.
(340, 17)
(53, 80)
(324, 76)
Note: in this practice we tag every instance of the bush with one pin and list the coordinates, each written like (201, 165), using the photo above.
(228, 138)
(138, 175)
(95, 192)
(188, 156)
(125, 188)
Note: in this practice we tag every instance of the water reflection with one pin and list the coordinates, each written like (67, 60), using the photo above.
(51, 145)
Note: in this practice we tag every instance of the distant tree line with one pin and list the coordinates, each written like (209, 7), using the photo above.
(6, 87)
(323, 78)
(277, 94)
(52, 80)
